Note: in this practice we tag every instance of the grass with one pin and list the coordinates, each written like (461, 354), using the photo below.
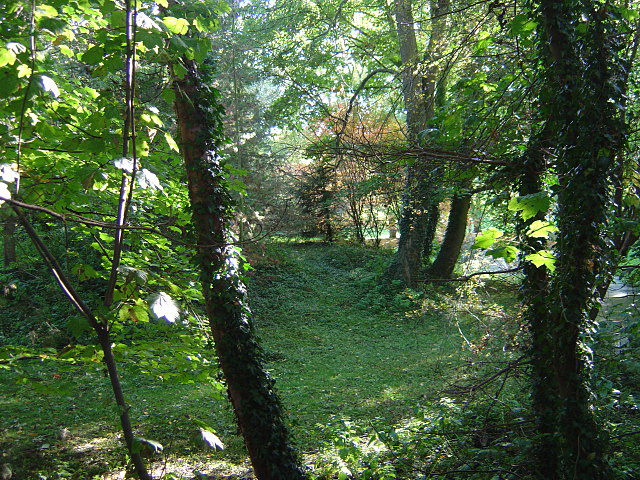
(366, 372)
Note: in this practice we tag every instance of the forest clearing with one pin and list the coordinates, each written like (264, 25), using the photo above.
(319, 239)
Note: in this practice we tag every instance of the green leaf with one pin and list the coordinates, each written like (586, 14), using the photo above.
(24, 70)
(541, 229)
(171, 142)
(543, 257)
(508, 252)
(530, 205)
(179, 71)
(46, 11)
(77, 325)
(84, 272)
(66, 51)
(522, 25)
(142, 148)
(169, 95)
(179, 26)
(485, 239)
(94, 55)
(163, 3)
(7, 57)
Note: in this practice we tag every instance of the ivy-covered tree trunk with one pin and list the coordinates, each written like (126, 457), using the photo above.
(419, 84)
(449, 252)
(430, 235)
(581, 101)
(534, 292)
(251, 390)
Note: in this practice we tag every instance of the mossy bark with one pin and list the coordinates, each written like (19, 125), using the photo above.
(258, 410)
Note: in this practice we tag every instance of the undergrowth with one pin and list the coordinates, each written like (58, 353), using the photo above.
(379, 382)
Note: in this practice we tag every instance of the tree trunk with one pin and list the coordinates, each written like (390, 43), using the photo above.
(251, 390)
(453, 238)
(430, 235)
(9, 241)
(589, 134)
(419, 85)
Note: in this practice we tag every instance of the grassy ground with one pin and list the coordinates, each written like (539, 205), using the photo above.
(350, 356)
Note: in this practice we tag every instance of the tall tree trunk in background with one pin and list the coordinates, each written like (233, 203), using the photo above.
(9, 241)
(419, 85)
(430, 235)
(453, 239)
(251, 390)
(581, 99)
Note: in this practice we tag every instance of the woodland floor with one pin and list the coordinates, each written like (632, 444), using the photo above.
(350, 357)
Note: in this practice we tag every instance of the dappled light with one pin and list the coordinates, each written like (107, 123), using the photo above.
(319, 240)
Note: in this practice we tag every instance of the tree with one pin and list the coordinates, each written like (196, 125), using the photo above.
(581, 101)
(419, 84)
(251, 390)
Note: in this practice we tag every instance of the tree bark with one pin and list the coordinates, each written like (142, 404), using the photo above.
(588, 135)
(453, 238)
(251, 390)
(419, 85)
(430, 235)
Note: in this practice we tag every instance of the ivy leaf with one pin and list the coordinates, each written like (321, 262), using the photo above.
(179, 26)
(530, 205)
(541, 229)
(543, 257)
(486, 238)
(509, 253)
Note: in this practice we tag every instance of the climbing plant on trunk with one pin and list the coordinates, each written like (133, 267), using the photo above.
(258, 410)
(581, 99)
(419, 85)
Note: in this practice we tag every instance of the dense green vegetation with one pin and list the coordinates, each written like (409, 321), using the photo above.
(202, 273)
(372, 379)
